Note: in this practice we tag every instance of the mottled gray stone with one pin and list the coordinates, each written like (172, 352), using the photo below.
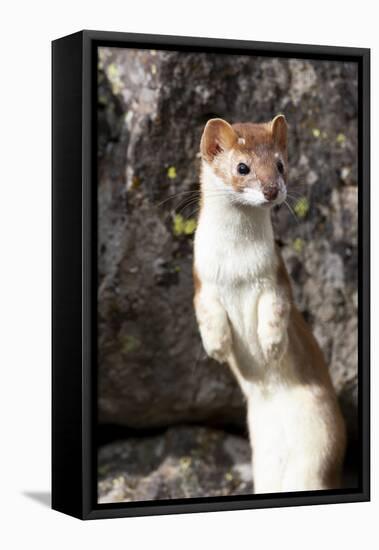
(184, 462)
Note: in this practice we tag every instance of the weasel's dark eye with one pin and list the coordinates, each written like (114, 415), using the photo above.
(280, 166)
(243, 169)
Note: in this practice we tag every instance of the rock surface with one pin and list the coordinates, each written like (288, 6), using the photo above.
(185, 462)
(152, 109)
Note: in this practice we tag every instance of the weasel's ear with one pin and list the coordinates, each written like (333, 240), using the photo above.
(218, 136)
(279, 131)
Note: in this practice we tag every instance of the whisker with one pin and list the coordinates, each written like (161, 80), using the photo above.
(299, 188)
(177, 195)
(195, 194)
(193, 200)
(192, 214)
(182, 207)
(293, 197)
(292, 212)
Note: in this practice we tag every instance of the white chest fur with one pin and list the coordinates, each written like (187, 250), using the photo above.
(235, 260)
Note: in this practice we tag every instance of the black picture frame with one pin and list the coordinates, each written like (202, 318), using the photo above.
(74, 206)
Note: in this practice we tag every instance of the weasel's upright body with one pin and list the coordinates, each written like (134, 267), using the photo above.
(246, 315)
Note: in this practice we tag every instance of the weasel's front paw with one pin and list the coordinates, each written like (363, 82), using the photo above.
(274, 341)
(217, 342)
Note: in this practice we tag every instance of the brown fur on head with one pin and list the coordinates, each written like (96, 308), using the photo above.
(250, 159)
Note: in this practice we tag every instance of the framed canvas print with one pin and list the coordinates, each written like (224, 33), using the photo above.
(210, 275)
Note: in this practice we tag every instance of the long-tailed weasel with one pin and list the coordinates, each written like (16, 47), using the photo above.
(246, 314)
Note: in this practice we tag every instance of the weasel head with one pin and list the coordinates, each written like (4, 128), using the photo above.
(249, 160)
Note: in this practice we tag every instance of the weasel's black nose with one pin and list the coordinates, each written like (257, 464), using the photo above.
(270, 192)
